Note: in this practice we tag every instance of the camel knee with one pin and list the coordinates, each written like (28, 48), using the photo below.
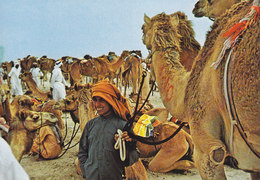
(217, 155)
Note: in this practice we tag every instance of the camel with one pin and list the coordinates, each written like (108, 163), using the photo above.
(46, 65)
(197, 96)
(34, 90)
(132, 71)
(23, 123)
(7, 66)
(102, 68)
(22, 130)
(213, 8)
(44, 97)
(175, 154)
(5, 110)
(76, 104)
(26, 63)
(73, 69)
(115, 68)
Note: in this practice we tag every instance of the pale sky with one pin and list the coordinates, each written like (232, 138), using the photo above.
(74, 28)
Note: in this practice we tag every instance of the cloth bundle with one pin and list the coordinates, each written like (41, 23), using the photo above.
(145, 125)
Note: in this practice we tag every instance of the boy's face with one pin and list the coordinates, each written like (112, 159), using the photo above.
(102, 107)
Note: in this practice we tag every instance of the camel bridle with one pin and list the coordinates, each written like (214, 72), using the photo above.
(130, 122)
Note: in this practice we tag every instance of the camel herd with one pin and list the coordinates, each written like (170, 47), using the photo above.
(213, 88)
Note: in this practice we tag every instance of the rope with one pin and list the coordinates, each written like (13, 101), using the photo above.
(120, 144)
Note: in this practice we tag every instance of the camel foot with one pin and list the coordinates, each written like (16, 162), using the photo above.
(218, 155)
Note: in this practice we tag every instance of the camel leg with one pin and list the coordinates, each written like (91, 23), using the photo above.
(209, 157)
(167, 158)
(208, 170)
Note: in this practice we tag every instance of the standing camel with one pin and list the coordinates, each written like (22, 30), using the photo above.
(198, 96)
(132, 71)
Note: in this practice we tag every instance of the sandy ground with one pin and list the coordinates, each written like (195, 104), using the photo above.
(64, 168)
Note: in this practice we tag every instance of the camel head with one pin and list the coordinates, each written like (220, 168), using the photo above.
(22, 102)
(159, 26)
(26, 76)
(26, 63)
(46, 64)
(70, 103)
(88, 67)
(34, 120)
(212, 8)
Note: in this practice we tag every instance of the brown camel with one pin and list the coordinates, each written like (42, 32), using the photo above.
(34, 91)
(7, 66)
(73, 69)
(198, 97)
(213, 8)
(26, 63)
(89, 68)
(115, 66)
(132, 72)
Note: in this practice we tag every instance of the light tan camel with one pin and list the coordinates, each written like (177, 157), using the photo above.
(132, 72)
(198, 97)
(175, 154)
(111, 68)
(23, 124)
(5, 110)
(34, 91)
(22, 130)
(212, 8)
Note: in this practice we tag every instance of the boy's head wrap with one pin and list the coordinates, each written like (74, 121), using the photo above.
(112, 95)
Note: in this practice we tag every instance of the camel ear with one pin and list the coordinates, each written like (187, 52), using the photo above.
(175, 19)
(147, 20)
